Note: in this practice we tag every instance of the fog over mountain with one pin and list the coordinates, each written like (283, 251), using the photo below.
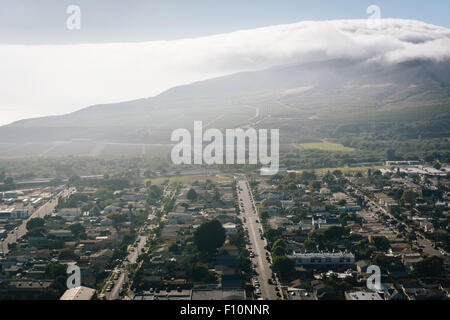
(308, 69)
(56, 79)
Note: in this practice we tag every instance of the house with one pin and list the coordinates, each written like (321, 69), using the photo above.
(24, 289)
(111, 209)
(427, 226)
(69, 212)
(60, 233)
(318, 207)
(101, 258)
(325, 191)
(271, 210)
(410, 259)
(230, 228)
(386, 201)
(179, 218)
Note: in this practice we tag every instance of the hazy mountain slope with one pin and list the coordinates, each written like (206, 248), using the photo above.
(311, 90)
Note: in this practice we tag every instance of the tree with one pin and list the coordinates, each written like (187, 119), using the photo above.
(67, 254)
(77, 230)
(9, 182)
(437, 165)
(201, 273)
(278, 252)
(337, 173)
(381, 243)
(430, 266)
(334, 233)
(35, 223)
(174, 248)
(209, 236)
(279, 248)
(75, 180)
(116, 218)
(192, 195)
(390, 155)
(409, 196)
(382, 261)
(284, 266)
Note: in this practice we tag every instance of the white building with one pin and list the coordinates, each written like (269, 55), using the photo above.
(13, 213)
(362, 295)
(230, 228)
(78, 293)
(323, 258)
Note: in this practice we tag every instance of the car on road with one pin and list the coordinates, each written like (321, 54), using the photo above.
(258, 291)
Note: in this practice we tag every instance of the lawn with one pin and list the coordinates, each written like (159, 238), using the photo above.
(325, 146)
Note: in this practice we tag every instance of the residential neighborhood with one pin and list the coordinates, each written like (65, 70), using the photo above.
(237, 236)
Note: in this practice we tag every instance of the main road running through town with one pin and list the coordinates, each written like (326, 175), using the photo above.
(248, 211)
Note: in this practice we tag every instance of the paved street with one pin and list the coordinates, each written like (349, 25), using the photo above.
(42, 211)
(134, 253)
(424, 244)
(257, 244)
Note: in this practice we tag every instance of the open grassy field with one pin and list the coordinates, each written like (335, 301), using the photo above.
(190, 179)
(326, 146)
(323, 171)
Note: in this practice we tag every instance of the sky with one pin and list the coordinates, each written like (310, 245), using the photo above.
(137, 48)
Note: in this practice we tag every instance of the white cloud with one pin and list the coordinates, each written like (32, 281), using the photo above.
(56, 79)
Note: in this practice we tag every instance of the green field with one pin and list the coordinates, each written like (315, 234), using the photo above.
(325, 146)
(323, 171)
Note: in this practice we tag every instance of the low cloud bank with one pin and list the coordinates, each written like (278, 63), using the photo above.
(56, 79)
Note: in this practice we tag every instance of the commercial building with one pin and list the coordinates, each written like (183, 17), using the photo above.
(78, 293)
(362, 295)
(13, 213)
(319, 259)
